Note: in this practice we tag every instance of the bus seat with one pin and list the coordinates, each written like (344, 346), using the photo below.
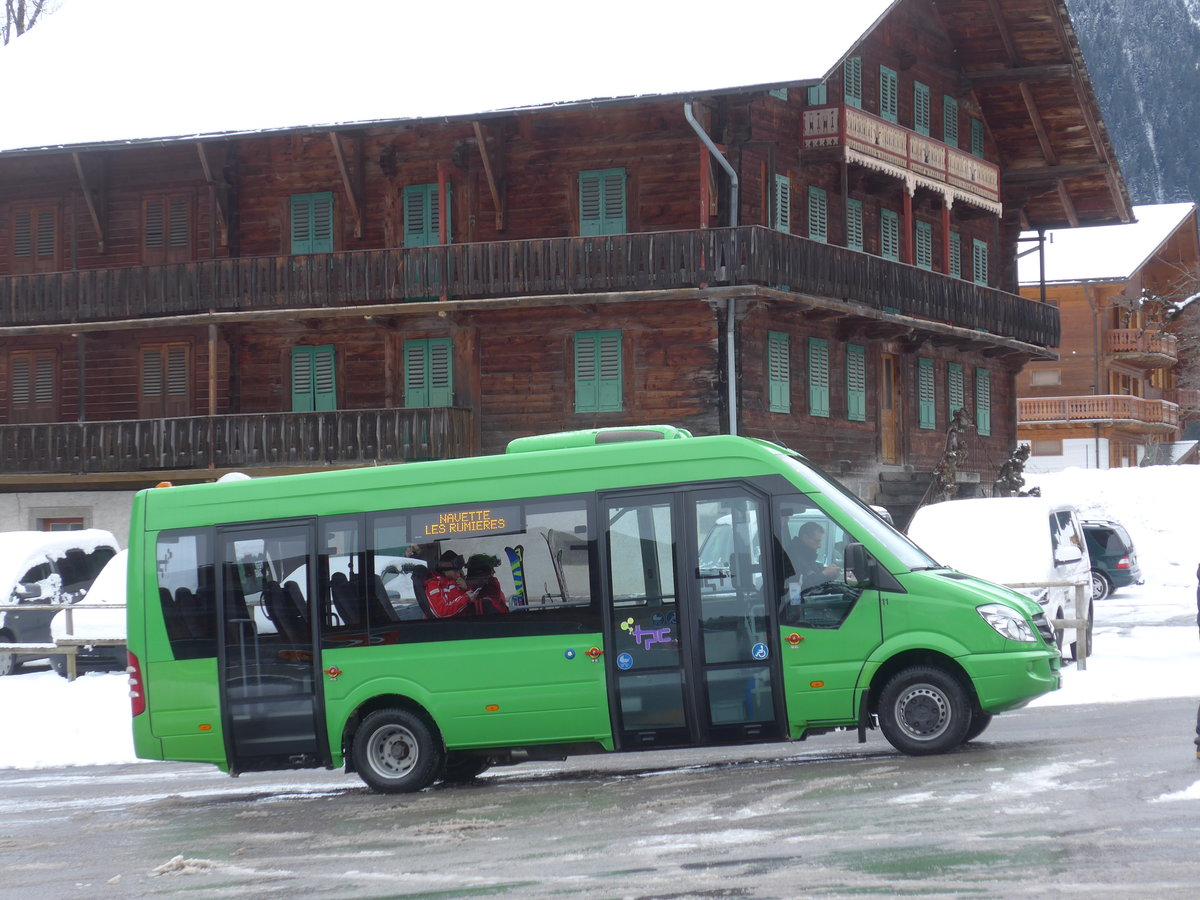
(419, 575)
(177, 627)
(379, 604)
(300, 630)
(346, 600)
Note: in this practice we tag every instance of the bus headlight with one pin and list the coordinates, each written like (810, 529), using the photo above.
(1008, 622)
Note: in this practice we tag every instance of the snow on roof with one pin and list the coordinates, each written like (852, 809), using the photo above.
(98, 72)
(1106, 252)
(22, 550)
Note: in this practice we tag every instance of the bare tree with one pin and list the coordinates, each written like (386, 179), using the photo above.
(21, 15)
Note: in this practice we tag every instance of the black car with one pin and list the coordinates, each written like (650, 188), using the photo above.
(1114, 563)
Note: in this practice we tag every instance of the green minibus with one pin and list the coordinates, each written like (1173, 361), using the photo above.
(650, 589)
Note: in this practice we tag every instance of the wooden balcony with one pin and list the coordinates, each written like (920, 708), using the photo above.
(1149, 416)
(873, 142)
(1187, 399)
(263, 440)
(748, 255)
(1142, 348)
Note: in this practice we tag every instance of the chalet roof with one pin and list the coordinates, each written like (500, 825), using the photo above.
(1108, 253)
(163, 70)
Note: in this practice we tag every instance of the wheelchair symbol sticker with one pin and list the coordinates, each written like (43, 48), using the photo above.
(624, 661)
(759, 651)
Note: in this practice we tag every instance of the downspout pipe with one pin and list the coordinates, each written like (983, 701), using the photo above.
(730, 318)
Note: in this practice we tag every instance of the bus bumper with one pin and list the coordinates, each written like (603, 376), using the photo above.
(1002, 683)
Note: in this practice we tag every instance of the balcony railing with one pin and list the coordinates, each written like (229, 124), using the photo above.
(1138, 346)
(1153, 415)
(748, 255)
(878, 143)
(341, 437)
(1188, 399)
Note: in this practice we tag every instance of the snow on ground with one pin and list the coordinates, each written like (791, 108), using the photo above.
(1146, 638)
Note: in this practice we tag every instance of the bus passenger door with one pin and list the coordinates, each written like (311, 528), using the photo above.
(270, 702)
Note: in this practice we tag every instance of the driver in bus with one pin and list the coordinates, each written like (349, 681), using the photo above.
(803, 552)
(446, 588)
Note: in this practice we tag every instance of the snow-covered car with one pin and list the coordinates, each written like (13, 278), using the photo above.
(44, 567)
(97, 624)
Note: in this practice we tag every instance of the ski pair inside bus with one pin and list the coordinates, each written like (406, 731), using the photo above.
(648, 589)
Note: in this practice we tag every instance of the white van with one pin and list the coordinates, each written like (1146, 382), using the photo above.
(1013, 540)
(44, 567)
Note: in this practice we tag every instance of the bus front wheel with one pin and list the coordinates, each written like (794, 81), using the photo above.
(396, 751)
(924, 710)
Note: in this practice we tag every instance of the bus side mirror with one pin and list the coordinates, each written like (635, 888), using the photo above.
(860, 564)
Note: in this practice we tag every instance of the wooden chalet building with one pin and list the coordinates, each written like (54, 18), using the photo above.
(1114, 396)
(828, 263)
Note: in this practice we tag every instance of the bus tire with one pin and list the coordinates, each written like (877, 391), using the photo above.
(396, 751)
(980, 720)
(461, 768)
(924, 710)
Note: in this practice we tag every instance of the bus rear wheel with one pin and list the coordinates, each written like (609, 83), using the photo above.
(396, 751)
(924, 710)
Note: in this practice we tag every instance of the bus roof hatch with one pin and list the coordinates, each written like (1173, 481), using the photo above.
(564, 440)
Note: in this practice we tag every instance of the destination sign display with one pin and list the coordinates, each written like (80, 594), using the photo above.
(466, 522)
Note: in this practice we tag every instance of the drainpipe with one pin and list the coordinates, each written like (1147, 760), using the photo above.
(730, 356)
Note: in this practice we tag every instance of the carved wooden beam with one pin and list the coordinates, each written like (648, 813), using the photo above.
(494, 170)
(93, 192)
(351, 184)
(212, 161)
(1068, 205)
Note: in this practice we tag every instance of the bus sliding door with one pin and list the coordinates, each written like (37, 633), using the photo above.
(690, 631)
(271, 708)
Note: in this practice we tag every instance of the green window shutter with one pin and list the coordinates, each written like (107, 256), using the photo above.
(428, 373)
(889, 234)
(314, 386)
(818, 214)
(852, 81)
(977, 138)
(599, 371)
(983, 402)
(46, 236)
(779, 93)
(955, 254)
(23, 233)
(602, 202)
(154, 229)
(924, 239)
(422, 215)
(979, 261)
(854, 224)
(19, 389)
(888, 97)
(921, 108)
(779, 372)
(927, 411)
(818, 377)
(818, 95)
(949, 121)
(783, 203)
(312, 223)
(954, 387)
(856, 383)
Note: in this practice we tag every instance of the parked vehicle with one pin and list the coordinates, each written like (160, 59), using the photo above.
(1114, 562)
(1010, 541)
(44, 567)
(108, 588)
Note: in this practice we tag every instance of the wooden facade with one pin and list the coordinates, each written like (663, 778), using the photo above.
(286, 300)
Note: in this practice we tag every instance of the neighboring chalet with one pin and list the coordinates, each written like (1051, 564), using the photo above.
(828, 263)
(1113, 396)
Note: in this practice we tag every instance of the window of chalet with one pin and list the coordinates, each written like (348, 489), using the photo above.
(977, 138)
(983, 402)
(924, 246)
(852, 81)
(1044, 377)
(422, 215)
(166, 229)
(888, 94)
(949, 120)
(854, 224)
(166, 381)
(428, 372)
(818, 94)
(33, 389)
(889, 234)
(61, 523)
(783, 204)
(979, 261)
(312, 223)
(926, 401)
(954, 388)
(598, 371)
(955, 254)
(818, 377)
(779, 372)
(34, 239)
(1047, 447)
(314, 383)
(602, 202)
(921, 108)
(818, 214)
(856, 383)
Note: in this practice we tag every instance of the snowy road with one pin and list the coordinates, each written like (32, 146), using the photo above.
(1084, 799)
